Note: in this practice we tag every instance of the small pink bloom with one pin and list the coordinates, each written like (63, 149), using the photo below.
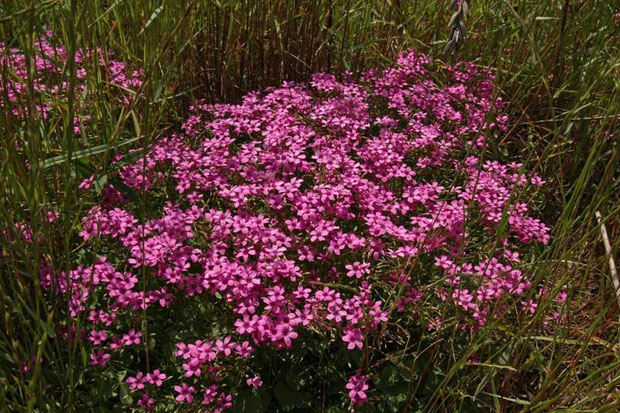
(87, 183)
(147, 402)
(132, 337)
(156, 378)
(357, 389)
(97, 337)
(100, 358)
(354, 337)
(185, 393)
(137, 382)
(357, 269)
(255, 381)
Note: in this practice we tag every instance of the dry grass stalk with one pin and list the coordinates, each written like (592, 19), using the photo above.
(612, 263)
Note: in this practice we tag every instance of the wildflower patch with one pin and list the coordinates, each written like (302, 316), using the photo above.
(331, 212)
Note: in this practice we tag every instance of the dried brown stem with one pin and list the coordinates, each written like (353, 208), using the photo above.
(612, 263)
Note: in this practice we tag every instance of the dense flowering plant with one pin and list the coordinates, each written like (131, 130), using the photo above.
(332, 211)
(50, 81)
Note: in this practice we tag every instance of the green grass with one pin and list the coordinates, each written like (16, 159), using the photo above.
(558, 68)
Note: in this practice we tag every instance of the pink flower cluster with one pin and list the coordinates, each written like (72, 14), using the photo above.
(50, 86)
(294, 207)
(357, 387)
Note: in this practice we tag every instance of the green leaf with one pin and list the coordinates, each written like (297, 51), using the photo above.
(45, 326)
(84, 356)
(290, 399)
(388, 377)
(56, 160)
(121, 375)
(100, 183)
(125, 397)
(251, 401)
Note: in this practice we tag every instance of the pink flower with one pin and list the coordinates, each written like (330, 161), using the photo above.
(185, 393)
(244, 349)
(561, 296)
(224, 402)
(255, 381)
(354, 337)
(132, 337)
(192, 368)
(210, 394)
(357, 389)
(147, 402)
(357, 269)
(529, 306)
(87, 183)
(116, 343)
(137, 382)
(443, 262)
(100, 358)
(285, 333)
(225, 346)
(97, 337)
(156, 378)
